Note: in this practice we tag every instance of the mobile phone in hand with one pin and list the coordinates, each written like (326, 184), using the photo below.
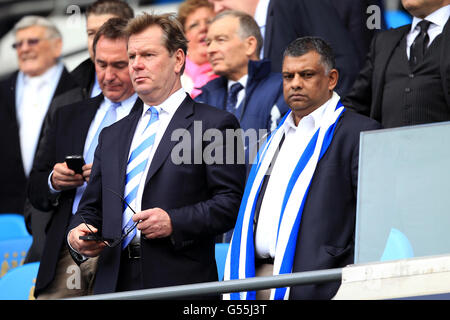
(75, 163)
(89, 237)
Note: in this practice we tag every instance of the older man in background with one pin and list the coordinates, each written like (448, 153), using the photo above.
(26, 97)
(247, 88)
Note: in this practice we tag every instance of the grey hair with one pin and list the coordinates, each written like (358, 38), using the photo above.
(30, 21)
(303, 45)
(247, 26)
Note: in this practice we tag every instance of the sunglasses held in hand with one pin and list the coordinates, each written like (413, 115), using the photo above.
(108, 242)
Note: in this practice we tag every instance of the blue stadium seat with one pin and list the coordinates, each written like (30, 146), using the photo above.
(221, 257)
(18, 284)
(12, 225)
(13, 252)
(396, 18)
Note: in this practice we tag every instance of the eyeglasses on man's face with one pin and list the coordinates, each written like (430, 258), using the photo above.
(31, 42)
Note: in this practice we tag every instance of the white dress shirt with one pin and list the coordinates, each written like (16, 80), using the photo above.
(438, 20)
(166, 111)
(295, 141)
(33, 97)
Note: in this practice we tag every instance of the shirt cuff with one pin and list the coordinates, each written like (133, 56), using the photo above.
(84, 258)
(49, 181)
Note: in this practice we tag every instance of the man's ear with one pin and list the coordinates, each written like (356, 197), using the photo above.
(180, 60)
(333, 77)
(57, 45)
(251, 44)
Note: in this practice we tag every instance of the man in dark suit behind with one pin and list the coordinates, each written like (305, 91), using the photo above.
(181, 205)
(27, 96)
(302, 192)
(283, 21)
(73, 130)
(96, 15)
(406, 79)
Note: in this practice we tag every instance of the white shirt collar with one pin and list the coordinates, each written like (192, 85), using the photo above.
(47, 77)
(125, 103)
(171, 104)
(438, 17)
(312, 120)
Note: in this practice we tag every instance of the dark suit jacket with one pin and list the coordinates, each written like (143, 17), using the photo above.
(367, 93)
(65, 134)
(202, 200)
(289, 20)
(84, 75)
(326, 234)
(13, 188)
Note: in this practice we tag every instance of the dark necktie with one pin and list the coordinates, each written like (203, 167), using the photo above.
(232, 97)
(420, 44)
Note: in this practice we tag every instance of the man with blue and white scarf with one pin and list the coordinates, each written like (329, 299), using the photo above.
(298, 209)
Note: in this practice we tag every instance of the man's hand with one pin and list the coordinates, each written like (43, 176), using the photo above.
(84, 247)
(154, 223)
(64, 178)
(87, 171)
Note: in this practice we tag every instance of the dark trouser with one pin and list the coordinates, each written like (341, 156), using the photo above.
(130, 273)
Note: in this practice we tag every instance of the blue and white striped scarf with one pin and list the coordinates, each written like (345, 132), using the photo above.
(240, 262)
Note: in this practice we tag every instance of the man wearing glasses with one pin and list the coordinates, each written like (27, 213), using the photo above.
(180, 207)
(25, 97)
(74, 130)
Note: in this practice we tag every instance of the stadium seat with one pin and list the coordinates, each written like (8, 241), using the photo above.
(13, 252)
(396, 18)
(18, 284)
(12, 225)
(221, 257)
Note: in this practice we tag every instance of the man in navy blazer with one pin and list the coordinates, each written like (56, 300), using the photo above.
(180, 206)
(70, 130)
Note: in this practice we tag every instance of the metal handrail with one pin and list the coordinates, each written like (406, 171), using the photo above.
(217, 287)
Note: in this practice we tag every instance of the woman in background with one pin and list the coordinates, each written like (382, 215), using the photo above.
(195, 16)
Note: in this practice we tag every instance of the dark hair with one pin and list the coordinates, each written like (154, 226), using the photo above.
(187, 7)
(247, 26)
(301, 46)
(173, 35)
(112, 29)
(117, 8)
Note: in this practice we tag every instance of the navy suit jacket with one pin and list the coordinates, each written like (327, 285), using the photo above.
(202, 200)
(326, 234)
(65, 134)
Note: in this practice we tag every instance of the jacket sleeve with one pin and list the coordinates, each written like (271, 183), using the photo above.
(360, 96)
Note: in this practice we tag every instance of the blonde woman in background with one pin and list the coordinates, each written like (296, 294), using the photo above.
(195, 16)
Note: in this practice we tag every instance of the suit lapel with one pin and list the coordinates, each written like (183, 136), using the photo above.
(124, 139)
(445, 61)
(85, 112)
(11, 97)
(180, 120)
